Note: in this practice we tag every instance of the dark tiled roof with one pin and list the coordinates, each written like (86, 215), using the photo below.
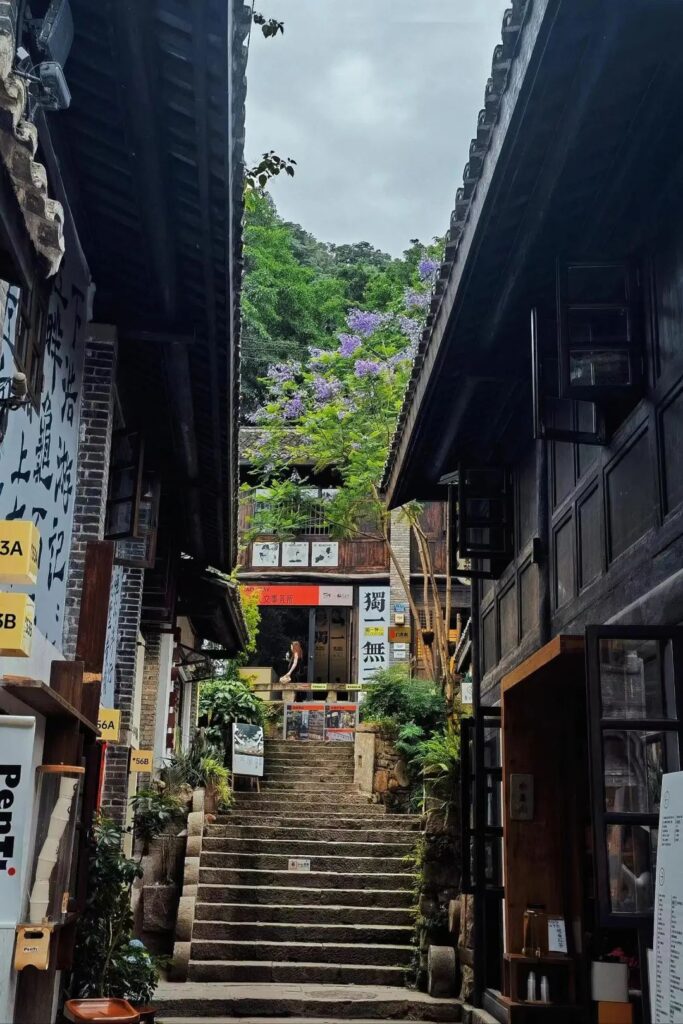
(503, 58)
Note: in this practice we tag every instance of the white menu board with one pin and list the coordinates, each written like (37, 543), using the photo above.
(668, 952)
(373, 631)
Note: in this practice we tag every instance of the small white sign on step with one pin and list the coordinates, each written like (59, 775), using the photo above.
(299, 864)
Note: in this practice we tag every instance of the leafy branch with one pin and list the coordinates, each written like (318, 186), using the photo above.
(269, 26)
(269, 166)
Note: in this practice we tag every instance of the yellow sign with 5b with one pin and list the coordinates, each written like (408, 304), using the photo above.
(19, 549)
(141, 761)
(109, 724)
(17, 613)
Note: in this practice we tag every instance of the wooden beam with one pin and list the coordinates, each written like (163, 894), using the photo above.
(559, 647)
(586, 80)
(135, 64)
(200, 36)
(92, 623)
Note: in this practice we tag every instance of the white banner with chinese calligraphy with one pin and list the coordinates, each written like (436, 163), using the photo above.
(373, 631)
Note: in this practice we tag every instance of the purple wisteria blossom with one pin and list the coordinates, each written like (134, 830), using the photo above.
(348, 343)
(416, 300)
(324, 390)
(410, 327)
(366, 368)
(283, 373)
(403, 356)
(294, 408)
(426, 267)
(365, 322)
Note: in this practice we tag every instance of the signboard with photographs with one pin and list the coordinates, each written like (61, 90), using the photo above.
(247, 749)
(320, 721)
(325, 553)
(265, 553)
(295, 552)
(305, 721)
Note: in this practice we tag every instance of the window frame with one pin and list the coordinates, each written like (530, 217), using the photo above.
(30, 338)
(492, 563)
(597, 725)
(633, 346)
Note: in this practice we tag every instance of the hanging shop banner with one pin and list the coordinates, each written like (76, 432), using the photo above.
(109, 724)
(373, 631)
(301, 596)
(16, 799)
(19, 548)
(247, 749)
(17, 614)
(141, 761)
(668, 943)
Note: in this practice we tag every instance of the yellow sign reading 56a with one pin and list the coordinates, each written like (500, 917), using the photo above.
(19, 550)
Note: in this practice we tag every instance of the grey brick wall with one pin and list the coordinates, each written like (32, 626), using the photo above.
(115, 795)
(400, 542)
(92, 474)
(150, 690)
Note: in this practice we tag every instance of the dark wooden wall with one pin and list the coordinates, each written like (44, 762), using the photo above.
(614, 513)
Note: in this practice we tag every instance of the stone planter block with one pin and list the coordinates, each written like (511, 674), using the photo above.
(193, 847)
(159, 907)
(191, 876)
(195, 823)
(198, 797)
(441, 972)
(185, 918)
(181, 961)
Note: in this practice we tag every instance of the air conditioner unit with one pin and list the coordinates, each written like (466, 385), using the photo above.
(52, 93)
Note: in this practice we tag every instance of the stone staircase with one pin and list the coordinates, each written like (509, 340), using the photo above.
(330, 943)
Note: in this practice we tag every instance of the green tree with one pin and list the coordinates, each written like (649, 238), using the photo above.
(339, 411)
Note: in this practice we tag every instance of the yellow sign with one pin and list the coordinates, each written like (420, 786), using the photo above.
(141, 761)
(109, 724)
(17, 613)
(19, 547)
(374, 630)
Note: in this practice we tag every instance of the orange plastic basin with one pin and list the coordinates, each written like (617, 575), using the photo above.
(114, 1011)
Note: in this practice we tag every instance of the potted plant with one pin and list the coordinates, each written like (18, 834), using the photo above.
(108, 959)
(155, 812)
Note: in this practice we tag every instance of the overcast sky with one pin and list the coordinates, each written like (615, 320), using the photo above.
(377, 101)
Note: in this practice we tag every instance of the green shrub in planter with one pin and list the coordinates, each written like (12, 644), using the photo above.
(108, 959)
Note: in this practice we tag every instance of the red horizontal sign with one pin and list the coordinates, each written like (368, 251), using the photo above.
(283, 596)
(276, 594)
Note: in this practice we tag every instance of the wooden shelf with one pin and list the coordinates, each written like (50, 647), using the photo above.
(45, 700)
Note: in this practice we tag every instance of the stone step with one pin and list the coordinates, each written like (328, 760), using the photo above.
(214, 835)
(323, 788)
(320, 775)
(310, 931)
(296, 847)
(303, 879)
(232, 950)
(325, 864)
(320, 973)
(225, 913)
(293, 800)
(401, 897)
(191, 1002)
(276, 1020)
(314, 806)
(266, 821)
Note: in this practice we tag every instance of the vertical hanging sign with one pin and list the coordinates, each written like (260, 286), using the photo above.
(373, 631)
(16, 799)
